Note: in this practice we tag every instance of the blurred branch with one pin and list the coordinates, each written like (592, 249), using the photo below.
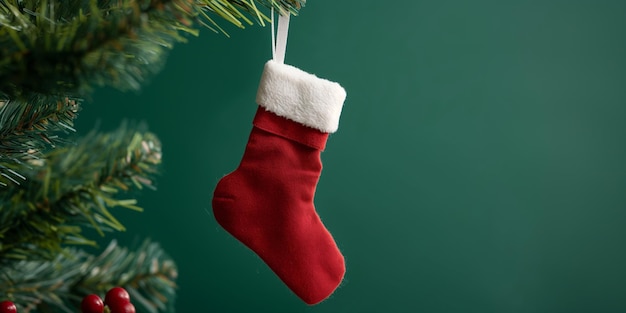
(71, 45)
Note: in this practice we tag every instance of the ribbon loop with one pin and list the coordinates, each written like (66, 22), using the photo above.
(279, 37)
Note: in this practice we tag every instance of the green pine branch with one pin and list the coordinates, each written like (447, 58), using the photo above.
(74, 187)
(59, 285)
(28, 126)
(69, 46)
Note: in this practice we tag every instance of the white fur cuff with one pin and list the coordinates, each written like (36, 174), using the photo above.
(301, 97)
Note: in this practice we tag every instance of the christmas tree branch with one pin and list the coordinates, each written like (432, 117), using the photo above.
(27, 127)
(70, 46)
(49, 286)
(72, 187)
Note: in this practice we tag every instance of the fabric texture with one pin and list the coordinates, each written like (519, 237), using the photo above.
(302, 97)
(267, 204)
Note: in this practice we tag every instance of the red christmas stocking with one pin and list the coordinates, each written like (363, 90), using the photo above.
(267, 202)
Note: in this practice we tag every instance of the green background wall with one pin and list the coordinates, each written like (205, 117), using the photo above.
(480, 163)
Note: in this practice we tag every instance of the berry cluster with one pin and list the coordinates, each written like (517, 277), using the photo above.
(117, 300)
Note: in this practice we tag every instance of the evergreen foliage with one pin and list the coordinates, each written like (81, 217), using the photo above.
(75, 185)
(53, 53)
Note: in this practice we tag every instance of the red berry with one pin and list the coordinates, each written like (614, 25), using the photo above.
(116, 296)
(123, 308)
(8, 307)
(92, 304)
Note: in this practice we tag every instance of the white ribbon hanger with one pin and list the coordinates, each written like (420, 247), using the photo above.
(279, 39)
